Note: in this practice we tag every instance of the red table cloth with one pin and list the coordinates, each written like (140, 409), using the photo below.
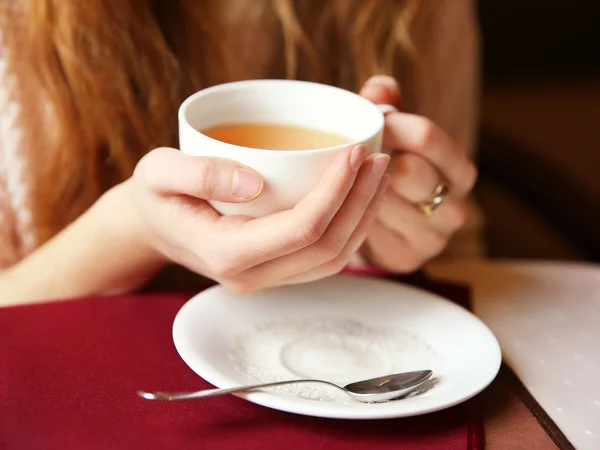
(69, 372)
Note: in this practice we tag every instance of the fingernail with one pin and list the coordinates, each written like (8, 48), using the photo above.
(357, 156)
(385, 81)
(247, 184)
(380, 163)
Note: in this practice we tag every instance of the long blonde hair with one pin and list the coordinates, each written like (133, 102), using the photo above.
(110, 75)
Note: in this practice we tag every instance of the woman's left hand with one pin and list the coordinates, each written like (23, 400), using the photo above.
(404, 236)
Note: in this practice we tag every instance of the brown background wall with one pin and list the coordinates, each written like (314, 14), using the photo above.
(540, 152)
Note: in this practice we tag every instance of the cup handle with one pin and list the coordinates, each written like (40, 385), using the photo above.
(386, 109)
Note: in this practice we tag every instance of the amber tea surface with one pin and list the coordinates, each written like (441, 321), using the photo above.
(274, 136)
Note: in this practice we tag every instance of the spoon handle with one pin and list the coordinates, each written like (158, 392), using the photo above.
(171, 396)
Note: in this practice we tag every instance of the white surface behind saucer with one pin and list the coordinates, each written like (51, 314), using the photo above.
(547, 319)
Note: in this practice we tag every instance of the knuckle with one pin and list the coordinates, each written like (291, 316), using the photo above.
(144, 168)
(410, 262)
(457, 215)
(471, 176)
(468, 177)
(428, 132)
(202, 176)
(340, 264)
(412, 177)
(404, 165)
(335, 265)
(330, 249)
(224, 269)
(310, 233)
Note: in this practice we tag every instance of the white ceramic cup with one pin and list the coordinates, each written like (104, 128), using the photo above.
(288, 175)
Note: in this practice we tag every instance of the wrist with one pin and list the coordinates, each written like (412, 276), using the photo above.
(120, 218)
(105, 251)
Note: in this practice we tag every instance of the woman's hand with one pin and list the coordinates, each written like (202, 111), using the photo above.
(403, 237)
(311, 241)
(160, 215)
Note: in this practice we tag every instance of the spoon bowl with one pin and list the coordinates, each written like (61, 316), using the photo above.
(374, 390)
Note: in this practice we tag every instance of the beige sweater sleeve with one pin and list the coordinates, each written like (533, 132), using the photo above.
(8, 244)
(442, 83)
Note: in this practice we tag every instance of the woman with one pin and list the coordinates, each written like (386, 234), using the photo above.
(91, 88)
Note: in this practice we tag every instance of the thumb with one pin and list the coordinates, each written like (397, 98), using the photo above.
(168, 171)
(382, 89)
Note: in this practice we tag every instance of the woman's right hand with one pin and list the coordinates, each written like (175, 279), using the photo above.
(313, 240)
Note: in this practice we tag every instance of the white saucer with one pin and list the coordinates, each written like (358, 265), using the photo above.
(342, 329)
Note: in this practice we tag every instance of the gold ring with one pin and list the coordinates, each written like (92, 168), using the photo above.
(435, 199)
